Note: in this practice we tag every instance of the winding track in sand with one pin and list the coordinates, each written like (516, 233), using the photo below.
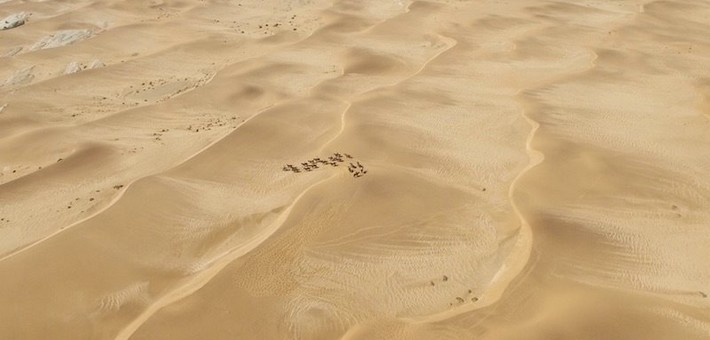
(214, 266)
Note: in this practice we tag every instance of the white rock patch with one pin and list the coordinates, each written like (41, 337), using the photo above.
(61, 38)
(20, 77)
(14, 20)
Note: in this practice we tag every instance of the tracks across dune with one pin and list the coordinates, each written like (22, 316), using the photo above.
(212, 268)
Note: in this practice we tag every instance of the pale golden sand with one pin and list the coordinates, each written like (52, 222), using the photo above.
(535, 169)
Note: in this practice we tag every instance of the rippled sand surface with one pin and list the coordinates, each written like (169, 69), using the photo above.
(354, 169)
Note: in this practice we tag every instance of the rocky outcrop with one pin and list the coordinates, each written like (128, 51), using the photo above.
(14, 20)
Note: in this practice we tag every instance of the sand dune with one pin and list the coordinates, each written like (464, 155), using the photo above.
(354, 169)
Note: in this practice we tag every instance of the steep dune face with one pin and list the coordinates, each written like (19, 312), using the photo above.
(355, 170)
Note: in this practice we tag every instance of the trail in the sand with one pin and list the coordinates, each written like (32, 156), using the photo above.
(516, 259)
(213, 267)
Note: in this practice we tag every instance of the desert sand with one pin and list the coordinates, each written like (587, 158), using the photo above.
(354, 169)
